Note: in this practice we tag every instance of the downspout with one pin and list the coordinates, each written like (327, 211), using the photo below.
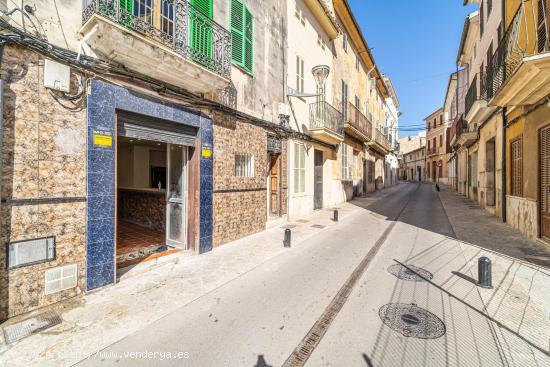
(504, 123)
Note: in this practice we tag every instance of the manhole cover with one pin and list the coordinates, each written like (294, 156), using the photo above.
(33, 325)
(412, 321)
(318, 226)
(410, 272)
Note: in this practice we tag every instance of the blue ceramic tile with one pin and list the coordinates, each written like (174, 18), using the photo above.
(100, 275)
(206, 198)
(206, 213)
(101, 230)
(101, 252)
(206, 167)
(101, 207)
(187, 117)
(206, 229)
(205, 244)
(100, 160)
(101, 184)
(206, 182)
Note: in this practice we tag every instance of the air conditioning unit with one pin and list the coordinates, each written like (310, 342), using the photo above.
(284, 109)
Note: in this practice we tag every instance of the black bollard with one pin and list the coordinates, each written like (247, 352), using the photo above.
(286, 241)
(485, 278)
(335, 217)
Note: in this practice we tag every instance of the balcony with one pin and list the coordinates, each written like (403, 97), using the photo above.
(519, 73)
(477, 109)
(169, 40)
(461, 134)
(432, 151)
(380, 143)
(325, 123)
(357, 124)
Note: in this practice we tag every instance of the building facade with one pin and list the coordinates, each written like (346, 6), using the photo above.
(436, 147)
(413, 166)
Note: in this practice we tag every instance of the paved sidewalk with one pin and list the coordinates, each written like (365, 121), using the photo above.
(474, 225)
(155, 289)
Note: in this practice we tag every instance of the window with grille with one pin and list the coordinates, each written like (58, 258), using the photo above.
(516, 178)
(299, 74)
(346, 169)
(542, 25)
(242, 33)
(299, 168)
(244, 165)
(299, 13)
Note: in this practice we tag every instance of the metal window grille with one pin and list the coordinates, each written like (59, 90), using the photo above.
(244, 165)
(516, 152)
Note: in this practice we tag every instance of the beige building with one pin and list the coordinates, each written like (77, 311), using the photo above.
(413, 165)
(437, 156)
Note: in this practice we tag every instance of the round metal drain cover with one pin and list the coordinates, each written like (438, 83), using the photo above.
(412, 321)
(410, 272)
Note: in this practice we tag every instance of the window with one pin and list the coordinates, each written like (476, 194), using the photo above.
(516, 179)
(346, 169)
(299, 168)
(320, 41)
(357, 102)
(345, 42)
(299, 13)
(440, 140)
(370, 176)
(481, 19)
(299, 74)
(242, 33)
(428, 145)
(344, 100)
(244, 165)
(357, 62)
(441, 120)
(489, 7)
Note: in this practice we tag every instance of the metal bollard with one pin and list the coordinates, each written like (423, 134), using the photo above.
(286, 241)
(485, 278)
(335, 217)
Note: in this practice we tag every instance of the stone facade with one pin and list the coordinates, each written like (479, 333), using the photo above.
(43, 179)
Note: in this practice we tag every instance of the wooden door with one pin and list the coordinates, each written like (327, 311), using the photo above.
(274, 178)
(318, 178)
(544, 185)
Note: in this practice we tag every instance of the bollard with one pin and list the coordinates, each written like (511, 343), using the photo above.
(485, 279)
(335, 217)
(286, 241)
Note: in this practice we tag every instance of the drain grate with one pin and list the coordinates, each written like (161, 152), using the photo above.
(412, 321)
(33, 325)
(289, 226)
(318, 226)
(410, 272)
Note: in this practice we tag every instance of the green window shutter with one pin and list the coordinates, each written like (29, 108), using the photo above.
(237, 32)
(200, 30)
(242, 33)
(248, 40)
(127, 5)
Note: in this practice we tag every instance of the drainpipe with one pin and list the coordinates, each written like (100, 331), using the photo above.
(503, 168)
(2, 44)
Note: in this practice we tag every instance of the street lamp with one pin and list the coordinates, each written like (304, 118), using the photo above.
(320, 73)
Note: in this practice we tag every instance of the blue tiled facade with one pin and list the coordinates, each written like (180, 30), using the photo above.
(103, 102)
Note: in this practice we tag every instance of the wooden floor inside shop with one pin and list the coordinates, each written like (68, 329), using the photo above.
(136, 244)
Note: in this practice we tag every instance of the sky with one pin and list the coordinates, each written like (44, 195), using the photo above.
(415, 43)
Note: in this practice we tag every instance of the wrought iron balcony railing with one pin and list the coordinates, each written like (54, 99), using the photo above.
(471, 96)
(174, 23)
(458, 127)
(431, 151)
(359, 121)
(381, 139)
(323, 116)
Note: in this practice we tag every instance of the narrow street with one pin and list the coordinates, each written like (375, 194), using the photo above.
(262, 316)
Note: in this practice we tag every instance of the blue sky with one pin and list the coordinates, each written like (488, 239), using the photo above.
(415, 43)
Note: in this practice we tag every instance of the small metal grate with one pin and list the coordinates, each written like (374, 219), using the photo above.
(33, 325)
(412, 321)
(319, 226)
(410, 273)
(288, 226)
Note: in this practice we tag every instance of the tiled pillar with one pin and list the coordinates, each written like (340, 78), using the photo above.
(206, 182)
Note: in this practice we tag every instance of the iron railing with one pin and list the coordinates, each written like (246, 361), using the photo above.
(359, 121)
(381, 139)
(471, 96)
(174, 23)
(431, 151)
(323, 115)
(458, 127)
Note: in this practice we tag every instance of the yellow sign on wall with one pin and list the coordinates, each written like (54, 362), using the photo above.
(103, 140)
(206, 152)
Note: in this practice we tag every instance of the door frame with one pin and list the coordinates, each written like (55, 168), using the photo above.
(184, 200)
(269, 188)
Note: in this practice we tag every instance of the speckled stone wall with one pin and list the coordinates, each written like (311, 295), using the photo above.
(240, 203)
(43, 179)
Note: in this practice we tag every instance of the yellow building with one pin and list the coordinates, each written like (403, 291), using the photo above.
(359, 91)
(518, 80)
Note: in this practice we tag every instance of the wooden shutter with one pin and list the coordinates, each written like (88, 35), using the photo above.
(242, 31)
(248, 40)
(200, 25)
(542, 34)
(516, 179)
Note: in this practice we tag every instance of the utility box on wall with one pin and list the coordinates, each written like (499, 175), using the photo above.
(57, 76)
